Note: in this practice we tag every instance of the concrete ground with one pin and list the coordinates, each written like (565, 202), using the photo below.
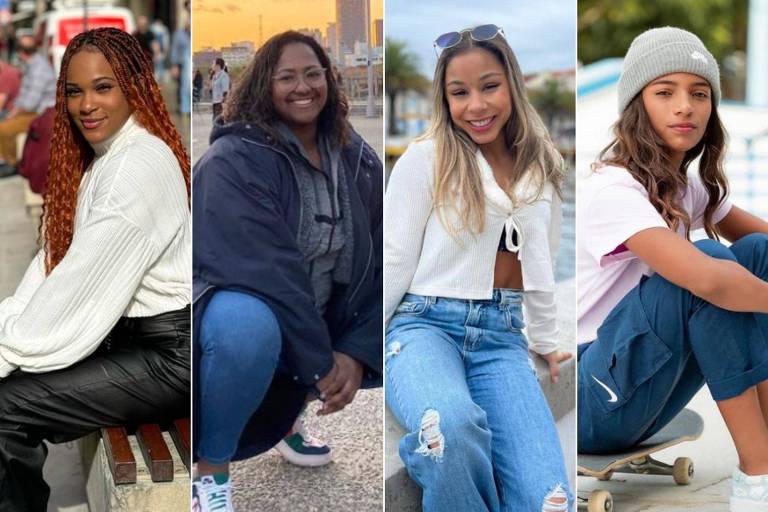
(353, 481)
(714, 458)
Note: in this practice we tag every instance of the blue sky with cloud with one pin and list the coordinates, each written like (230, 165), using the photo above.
(541, 32)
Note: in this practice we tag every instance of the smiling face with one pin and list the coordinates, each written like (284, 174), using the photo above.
(477, 90)
(299, 86)
(95, 102)
(678, 106)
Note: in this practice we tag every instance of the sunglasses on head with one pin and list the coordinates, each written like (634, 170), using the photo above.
(478, 33)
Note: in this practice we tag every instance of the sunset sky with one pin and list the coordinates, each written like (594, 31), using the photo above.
(217, 23)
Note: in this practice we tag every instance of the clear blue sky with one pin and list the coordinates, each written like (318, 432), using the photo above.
(541, 32)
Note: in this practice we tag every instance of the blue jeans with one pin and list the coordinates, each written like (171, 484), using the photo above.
(460, 381)
(239, 350)
(659, 346)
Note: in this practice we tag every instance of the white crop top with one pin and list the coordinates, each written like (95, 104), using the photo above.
(421, 257)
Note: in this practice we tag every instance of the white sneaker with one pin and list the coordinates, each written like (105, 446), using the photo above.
(749, 493)
(210, 496)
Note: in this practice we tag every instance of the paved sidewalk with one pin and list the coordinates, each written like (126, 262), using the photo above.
(352, 482)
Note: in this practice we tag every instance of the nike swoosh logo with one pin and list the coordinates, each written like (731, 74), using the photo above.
(613, 397)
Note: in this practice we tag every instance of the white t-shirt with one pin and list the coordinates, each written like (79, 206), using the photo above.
(613, 206)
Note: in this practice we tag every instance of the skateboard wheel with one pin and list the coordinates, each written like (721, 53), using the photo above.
(682, 471)
(600, 501)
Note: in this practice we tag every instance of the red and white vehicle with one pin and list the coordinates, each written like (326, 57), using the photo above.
(54, 29)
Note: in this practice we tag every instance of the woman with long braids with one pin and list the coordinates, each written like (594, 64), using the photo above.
(97, 333)
(659, 315)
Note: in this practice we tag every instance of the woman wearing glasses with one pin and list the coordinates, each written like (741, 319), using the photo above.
(287, 263)
(473, 215)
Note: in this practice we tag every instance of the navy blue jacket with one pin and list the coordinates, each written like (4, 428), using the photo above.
(245, 223)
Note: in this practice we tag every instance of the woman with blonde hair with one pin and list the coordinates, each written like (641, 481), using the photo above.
(473, 217)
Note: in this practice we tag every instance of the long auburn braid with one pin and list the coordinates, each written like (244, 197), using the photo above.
(70, 152)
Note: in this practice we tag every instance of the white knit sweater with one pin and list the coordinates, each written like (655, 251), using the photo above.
(422, 258)
(130, 256)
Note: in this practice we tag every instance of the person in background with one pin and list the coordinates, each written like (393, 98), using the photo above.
(10, 83)
(197, 85)
(146, 38)
(37, 93)
(219, 86)
(181, 63)
(163, 38)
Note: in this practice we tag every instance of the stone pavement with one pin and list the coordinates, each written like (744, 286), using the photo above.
(353, 481)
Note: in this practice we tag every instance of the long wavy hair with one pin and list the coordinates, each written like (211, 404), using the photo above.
(251, 98)
(641, 151)
(70, 152)
(457, 175)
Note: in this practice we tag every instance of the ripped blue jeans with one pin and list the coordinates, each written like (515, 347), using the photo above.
(480, 433)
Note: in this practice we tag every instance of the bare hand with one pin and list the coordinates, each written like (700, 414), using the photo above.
(348, 381)
(327, 383)
(554, 359)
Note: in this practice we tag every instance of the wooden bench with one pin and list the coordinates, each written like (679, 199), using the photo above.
(156, 454)
(146, 468)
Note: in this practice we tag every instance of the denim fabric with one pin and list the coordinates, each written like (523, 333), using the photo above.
(659, 346)
(460, 381)
(239, 346)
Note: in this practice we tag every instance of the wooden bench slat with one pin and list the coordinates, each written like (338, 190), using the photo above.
(119, 455)
(156, 453)
(180, 433)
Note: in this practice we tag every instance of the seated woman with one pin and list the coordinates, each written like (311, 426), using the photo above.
(97, 333)
(660, 315)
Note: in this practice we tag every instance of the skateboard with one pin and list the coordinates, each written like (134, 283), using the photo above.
(687, 426)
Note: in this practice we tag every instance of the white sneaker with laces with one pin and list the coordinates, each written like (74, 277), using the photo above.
(208, 495)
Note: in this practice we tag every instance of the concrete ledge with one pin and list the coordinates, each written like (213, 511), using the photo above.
(402, 494)
(143, 496)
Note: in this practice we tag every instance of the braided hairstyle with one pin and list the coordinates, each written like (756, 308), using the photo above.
(70, 152)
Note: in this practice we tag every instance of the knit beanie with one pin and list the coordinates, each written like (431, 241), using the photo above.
(661, 51)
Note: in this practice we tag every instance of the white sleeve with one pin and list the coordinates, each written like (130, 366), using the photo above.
(77, 304)
(614, 215)
(541, 306)
(81, 300)
(541, 320)
(407, 206)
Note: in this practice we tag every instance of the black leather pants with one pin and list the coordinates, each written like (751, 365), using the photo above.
(139, 374)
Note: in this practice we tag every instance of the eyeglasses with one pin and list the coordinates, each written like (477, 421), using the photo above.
(478, 33)
(288, 81)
